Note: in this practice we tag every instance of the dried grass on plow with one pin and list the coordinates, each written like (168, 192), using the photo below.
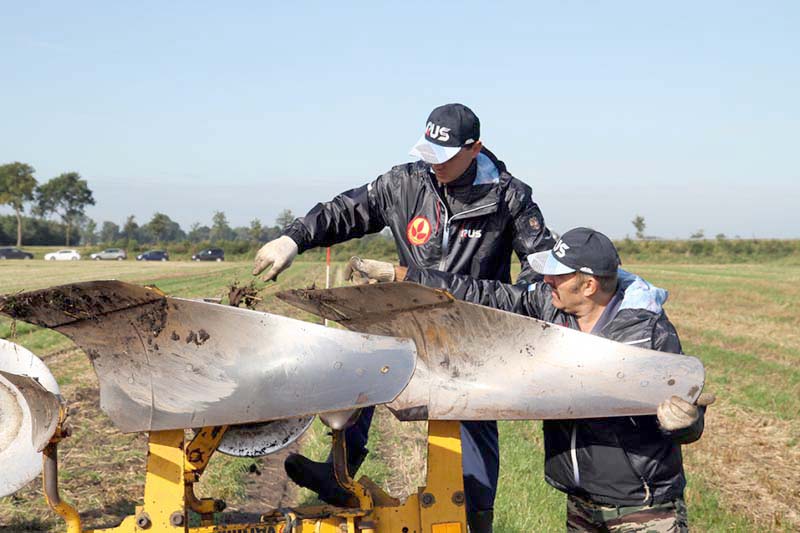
(403, 447)
(753, 461)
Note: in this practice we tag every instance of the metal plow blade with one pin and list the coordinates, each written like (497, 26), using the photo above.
(478, 363)
(29, 411)
(170, 363)
(28, 418)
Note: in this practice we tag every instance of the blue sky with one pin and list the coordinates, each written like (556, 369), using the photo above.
(684, 112)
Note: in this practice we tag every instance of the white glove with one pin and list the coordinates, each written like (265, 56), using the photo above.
(676, 413)
(363, 271)
(279, 253)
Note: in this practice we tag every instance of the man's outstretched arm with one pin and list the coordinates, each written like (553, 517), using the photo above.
(349, 215)
(504, 296)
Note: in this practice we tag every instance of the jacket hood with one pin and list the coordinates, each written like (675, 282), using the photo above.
(640, 294)
(477, 182)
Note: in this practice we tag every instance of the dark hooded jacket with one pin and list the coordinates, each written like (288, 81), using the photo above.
(468, 227)
(614, 461)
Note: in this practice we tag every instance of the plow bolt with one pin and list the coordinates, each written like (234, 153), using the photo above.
(143, 521)
(427, 499)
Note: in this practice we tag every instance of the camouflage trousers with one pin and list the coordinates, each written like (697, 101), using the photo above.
(586, 516)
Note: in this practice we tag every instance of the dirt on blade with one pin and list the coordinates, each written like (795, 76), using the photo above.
(101, 471)
(246, 295)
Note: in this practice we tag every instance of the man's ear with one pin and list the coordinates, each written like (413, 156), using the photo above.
(476, 149)
(590, 286)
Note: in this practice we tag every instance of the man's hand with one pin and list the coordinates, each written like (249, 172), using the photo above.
(279, 253)
(676, 413)
(363, 271)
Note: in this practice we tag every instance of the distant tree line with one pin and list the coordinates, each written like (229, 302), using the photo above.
(161, 229)
(67, 196)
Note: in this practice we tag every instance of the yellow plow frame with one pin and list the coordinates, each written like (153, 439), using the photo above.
(175, 464)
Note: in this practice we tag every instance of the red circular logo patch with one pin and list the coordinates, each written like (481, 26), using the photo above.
(418, 231)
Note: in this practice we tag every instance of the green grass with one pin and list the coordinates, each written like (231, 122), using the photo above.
(525, 502)
(741, 320)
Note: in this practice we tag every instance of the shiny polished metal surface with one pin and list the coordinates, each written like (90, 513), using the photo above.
(170, 363)
(478, 363)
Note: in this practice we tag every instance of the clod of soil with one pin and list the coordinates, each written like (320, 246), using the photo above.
(245, 294)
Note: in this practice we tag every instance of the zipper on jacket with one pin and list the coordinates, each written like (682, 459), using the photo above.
(446, 235)
(647, 495)
(448, 219)
(576, 475)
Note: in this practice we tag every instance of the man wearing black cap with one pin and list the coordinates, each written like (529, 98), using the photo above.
(456, 209)
(620, 474)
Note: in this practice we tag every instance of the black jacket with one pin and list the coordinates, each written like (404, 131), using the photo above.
(465, 228)
(615, 461)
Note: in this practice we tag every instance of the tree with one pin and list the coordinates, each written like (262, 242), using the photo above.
(109, 232)
(255, 230)
(194, 229)
(285, 218)
(37, 231)
(90, 232)
(639, 224)
(17, 185)
(158, 226)
(130, 229)
(699, 234)
(198, 233)
(220, 230)
(66, 195)
(160, 229)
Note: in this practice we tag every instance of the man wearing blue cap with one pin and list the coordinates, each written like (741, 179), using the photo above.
(456, 209)
(620, 474)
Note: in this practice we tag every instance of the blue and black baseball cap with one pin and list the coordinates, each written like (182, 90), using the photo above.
(579, 249)
(449, 128)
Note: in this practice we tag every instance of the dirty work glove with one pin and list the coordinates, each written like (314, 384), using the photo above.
(676, 413)
(362, 271)
(279, 253)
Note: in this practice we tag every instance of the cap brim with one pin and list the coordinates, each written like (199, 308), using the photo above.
(547, 264)
(433, 153)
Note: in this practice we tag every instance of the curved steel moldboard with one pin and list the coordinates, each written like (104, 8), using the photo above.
(29, 411)
(28, 418)
(478, 363)
(169, 363)
(37, 403)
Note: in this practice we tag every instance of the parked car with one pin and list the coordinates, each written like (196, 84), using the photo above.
(153, 255)
(110, 253)
(63, 255)
(209, 254)
(9, 252)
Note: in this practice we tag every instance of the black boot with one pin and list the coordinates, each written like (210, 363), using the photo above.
(480, 521)
(319, 477)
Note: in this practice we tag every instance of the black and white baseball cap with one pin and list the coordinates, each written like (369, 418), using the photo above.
(581, 249)
(449, 127)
